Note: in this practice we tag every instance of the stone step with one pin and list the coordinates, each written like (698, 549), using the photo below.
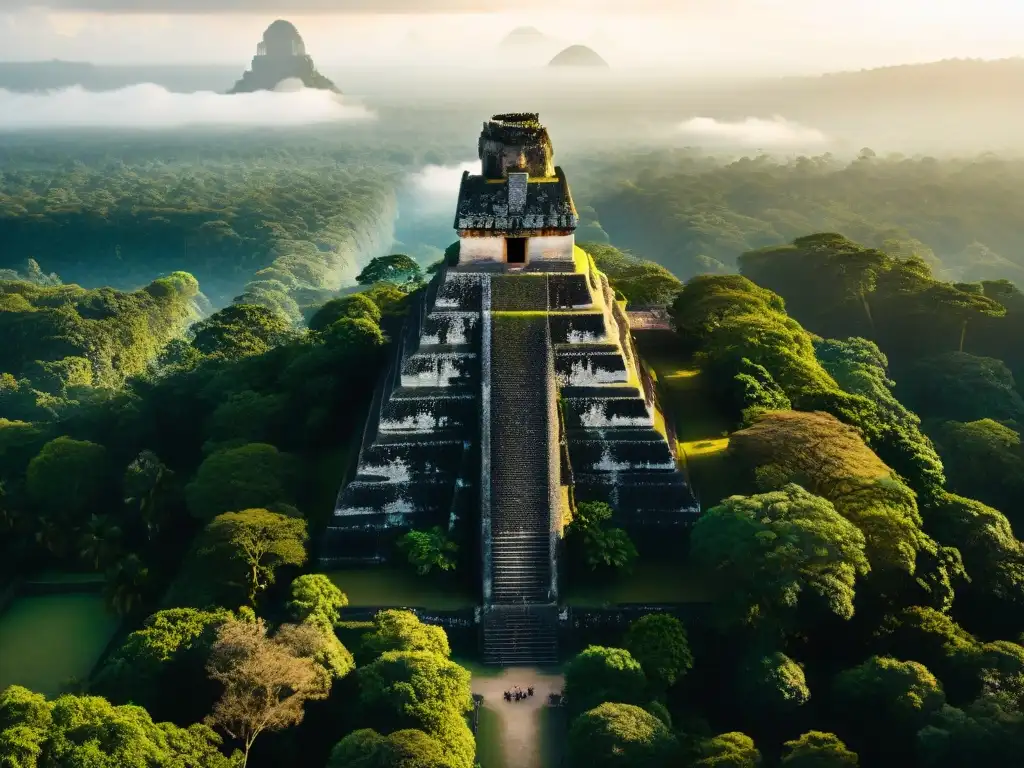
(517, 635)
(615, 456)
(574, 348)
(602, 392)
(429, 415)
(435, 393)
(440, 370)
(578, 327)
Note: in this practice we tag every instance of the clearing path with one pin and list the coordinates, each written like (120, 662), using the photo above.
(526, 733)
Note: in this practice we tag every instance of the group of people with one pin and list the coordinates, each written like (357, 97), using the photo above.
(518, 694)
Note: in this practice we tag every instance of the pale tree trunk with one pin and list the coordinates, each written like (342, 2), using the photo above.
(867, 310)
(963, 335)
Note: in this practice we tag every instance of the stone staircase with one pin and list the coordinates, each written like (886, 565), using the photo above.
(520, 620)
(521, 635)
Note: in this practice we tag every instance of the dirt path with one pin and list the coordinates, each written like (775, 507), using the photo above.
(521, 724)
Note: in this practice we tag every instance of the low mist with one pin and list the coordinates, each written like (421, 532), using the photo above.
(437, 186)
(777, 133)
(152, 106)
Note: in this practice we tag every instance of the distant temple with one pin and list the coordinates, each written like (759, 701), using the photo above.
(281, 56)
(516, 392)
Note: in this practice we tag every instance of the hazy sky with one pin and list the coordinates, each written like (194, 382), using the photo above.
(707, 36)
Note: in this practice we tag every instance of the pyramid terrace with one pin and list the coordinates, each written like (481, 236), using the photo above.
(515, 393)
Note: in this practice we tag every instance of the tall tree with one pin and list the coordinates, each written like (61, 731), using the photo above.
(75, 731)
(600, 674)
(252, 475)
(403, 631)
(815, 749)
(259, 542)
(266, 683)
(315, 597)
(396, 268)
(772, 551)
(616, 735)
(658, 641)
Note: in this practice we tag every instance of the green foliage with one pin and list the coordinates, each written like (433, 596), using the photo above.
(74, 731)
(316, 598)
(886, 697)
(424, 691)
(839, 288)
(599, 674)
(257, 543)
(248, 416)
(408, 748)
(61, 339)
(759, 393)
(727, 750)
(815, 749)
(314, 640)
(147, 488)
(829, 458)
(773, 685)
(355, 337)
(601, 544)
(732, 319)
(403, 631)
(658, 641)
(772, 550)
(167, 652)
(426, 550)
(396, 268)
(989, 731)
(957, 386)
(253, 475)
(985, 461)
(287, 222)
(992, 555)
(641, 282)
(67, 476)
(355, 306)
(932, 638)
(240, 330)
(859, 367)
(613, 735)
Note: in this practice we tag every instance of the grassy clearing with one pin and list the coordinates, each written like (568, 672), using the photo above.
(649, 582)
(399, 588)
(702, 432)
(478, 669)
(47, 640)
(553, 728)
(489, 751)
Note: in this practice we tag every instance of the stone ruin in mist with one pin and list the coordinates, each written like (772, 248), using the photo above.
(281, 56)
(515, 392)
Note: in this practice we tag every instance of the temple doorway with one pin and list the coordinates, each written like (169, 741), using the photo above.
(515, 250)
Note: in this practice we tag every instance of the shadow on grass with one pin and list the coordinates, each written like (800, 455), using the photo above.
(399, 588)
(489, 739)
(553, 726)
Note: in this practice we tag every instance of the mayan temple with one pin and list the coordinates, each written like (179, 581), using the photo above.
(515, 392)
(281, 56)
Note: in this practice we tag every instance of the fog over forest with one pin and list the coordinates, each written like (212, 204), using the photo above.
(324, 387)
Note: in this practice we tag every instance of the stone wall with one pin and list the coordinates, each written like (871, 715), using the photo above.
(550, 248)
(481, 249)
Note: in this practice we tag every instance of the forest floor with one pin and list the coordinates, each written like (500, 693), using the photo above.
(519, 734)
